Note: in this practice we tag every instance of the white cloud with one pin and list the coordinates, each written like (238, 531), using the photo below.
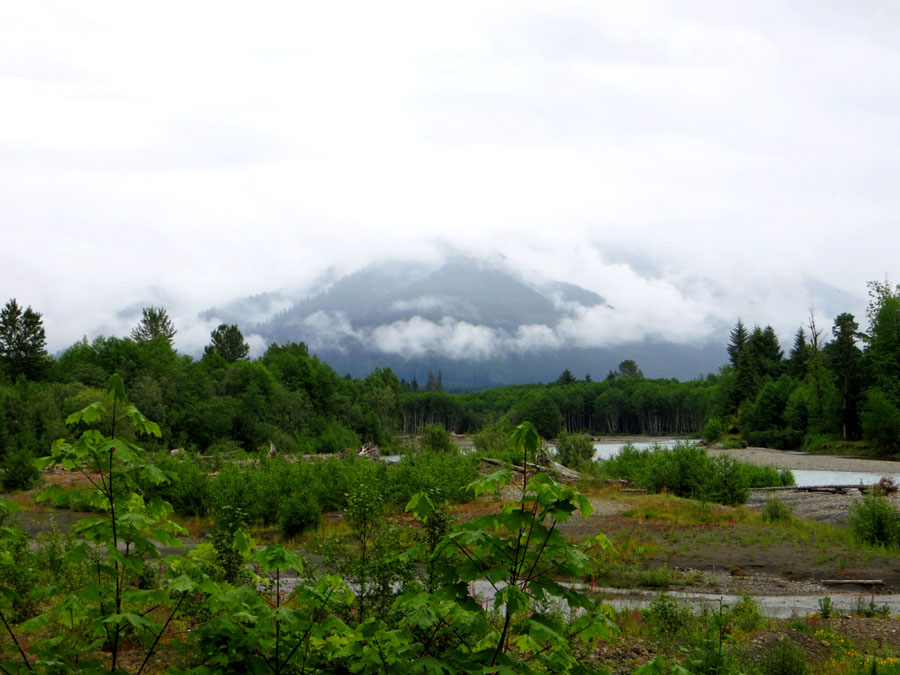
(219, 152)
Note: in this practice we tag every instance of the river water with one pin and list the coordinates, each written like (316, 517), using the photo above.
(803, 477)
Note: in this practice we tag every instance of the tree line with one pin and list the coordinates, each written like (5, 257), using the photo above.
(844, 385)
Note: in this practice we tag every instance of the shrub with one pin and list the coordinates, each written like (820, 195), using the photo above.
(665, 616)
(335, 438)
(729, 483)
(768, 476)
(874, 520)
(713, 430)
(784, 658)
(299, 512)
(428, 471)
(19, 471)
(436, 437)
(573, 450)
(746, 615)
(776, 511)
(687, 471)
(188, 488)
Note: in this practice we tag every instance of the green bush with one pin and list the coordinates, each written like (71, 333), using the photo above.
(335, 438)
(713, 430)
(573, 450)
(436, 437)
(776, 511)
(19, 471)
(768, 476)
(298, 513)
(687, 471)
(783, 658)
(729, 482)
(874, 520)
(188, 487)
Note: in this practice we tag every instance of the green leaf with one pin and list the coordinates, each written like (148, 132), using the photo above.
(277, 557)
(142, 424)
(115, 388)
(525, 439)
(420, 505)
(89, 415)
(243, 542)
(513, 599)
(135, 620)
(492, 482)
(154, 475)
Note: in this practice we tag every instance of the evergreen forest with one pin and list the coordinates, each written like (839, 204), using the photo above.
(835, 385)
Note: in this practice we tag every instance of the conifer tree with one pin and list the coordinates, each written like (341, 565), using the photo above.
(23, 341)
(737, 340)
(155, 323)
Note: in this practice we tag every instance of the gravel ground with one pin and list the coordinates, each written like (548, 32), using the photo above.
(790, 460)
(831, 508)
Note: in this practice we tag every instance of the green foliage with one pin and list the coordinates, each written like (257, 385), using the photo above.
(776, 511)
(713, 430)
(436, 438)
(23, 342)
(335, 438)
(19, 471)
(493, 441)
(574, 450)
(516, 549)
(126, 535)
(228, 342)
(780, 439)
(826, 608)
(687, 471)
(298, 513)
(154, 324)
(880, 419)
(539, 408)
(784, 658)
(665, 617)
(876, 521)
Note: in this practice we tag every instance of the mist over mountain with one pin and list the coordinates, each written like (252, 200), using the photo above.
(477, 323)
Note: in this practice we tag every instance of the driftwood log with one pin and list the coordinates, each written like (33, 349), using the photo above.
(833, 489)
(563, 472)
(853, 582)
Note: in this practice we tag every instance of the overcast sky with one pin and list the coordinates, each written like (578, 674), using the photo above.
(688, 161)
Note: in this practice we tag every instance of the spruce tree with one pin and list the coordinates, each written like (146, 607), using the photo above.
(737, 340)
(23, 342)
(155, 323)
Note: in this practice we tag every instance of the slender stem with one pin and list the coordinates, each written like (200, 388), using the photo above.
(13, 636)
(156, 641)
(277, 622)
(503, 635)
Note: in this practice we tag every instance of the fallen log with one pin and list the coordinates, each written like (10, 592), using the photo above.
(853, 582)
(554, 467)
(818, 488)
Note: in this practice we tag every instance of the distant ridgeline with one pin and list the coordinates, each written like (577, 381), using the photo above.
(480, 325)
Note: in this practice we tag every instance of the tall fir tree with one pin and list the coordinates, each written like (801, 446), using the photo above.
(737, 340)
(23, 342)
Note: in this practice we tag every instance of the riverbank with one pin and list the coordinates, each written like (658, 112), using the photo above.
(791, 460)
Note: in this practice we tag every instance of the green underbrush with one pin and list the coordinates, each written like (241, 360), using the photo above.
(687, 471)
